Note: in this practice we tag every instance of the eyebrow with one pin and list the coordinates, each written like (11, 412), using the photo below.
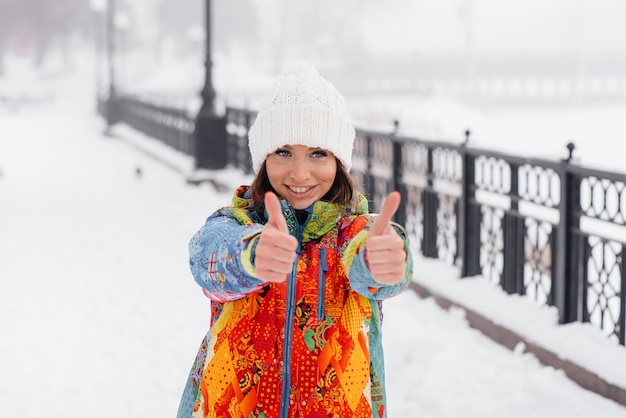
(290, 147)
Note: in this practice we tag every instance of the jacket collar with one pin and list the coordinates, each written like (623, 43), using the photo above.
(323, 216)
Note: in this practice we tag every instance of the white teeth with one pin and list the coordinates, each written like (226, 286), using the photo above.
(298, 189)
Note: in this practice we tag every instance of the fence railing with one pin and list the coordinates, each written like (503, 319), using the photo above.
(169, 124)
(550, 230)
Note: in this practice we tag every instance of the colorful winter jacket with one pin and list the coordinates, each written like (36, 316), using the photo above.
(309, 347)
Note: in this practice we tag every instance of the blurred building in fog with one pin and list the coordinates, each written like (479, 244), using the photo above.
(481, 49)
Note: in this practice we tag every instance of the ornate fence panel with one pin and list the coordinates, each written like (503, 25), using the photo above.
(598, 246)
(446, 187)
(518, 202)
(375, 173)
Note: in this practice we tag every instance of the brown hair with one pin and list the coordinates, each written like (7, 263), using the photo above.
(341, 192)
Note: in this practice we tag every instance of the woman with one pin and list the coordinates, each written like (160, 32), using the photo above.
(296, 270)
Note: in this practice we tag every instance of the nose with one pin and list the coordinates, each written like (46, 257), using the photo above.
(299, 170)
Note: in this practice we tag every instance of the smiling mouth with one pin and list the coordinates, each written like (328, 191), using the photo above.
(299, 190)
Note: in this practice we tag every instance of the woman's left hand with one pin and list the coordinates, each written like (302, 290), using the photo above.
(384, 248)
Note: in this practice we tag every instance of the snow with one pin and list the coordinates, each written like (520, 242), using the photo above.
(580, 343)
(99, 315)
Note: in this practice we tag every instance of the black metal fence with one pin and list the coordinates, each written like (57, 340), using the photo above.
(550, 230)
(169, 124)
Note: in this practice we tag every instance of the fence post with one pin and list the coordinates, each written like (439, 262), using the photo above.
(398, 183)
(113, 110)
(566, 273)
(368, 177)
(469, 220)
(249, 120)
(577, 296)
(210, 138)
(513, 233)
(622, 312)
(210, 133)
(430, 206)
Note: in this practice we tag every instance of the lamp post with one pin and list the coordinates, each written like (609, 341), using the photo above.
(98, 7)
(210, 130)
(208, 92)
(111, 113)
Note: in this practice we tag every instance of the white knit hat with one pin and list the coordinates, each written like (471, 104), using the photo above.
(303, 109)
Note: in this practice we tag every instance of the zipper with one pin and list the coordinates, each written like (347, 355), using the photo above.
(322, 284)
(289, 314)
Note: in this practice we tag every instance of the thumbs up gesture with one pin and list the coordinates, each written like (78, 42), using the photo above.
(276, 250)
(384, 248)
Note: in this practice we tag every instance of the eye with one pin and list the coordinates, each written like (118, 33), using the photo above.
(319, 154)
(282, 152)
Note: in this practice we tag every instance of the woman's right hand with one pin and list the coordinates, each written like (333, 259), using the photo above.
(276, 250)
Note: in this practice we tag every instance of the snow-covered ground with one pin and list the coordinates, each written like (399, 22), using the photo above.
(99, 315)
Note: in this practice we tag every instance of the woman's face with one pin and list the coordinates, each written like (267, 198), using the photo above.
(300, 174)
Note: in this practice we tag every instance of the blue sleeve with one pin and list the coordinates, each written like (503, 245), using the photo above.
(221, 258)
(360, 277)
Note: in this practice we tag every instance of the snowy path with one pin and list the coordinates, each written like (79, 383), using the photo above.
(99, 315)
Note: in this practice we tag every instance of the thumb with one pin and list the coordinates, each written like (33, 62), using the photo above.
(274, 210)
(386, 213)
